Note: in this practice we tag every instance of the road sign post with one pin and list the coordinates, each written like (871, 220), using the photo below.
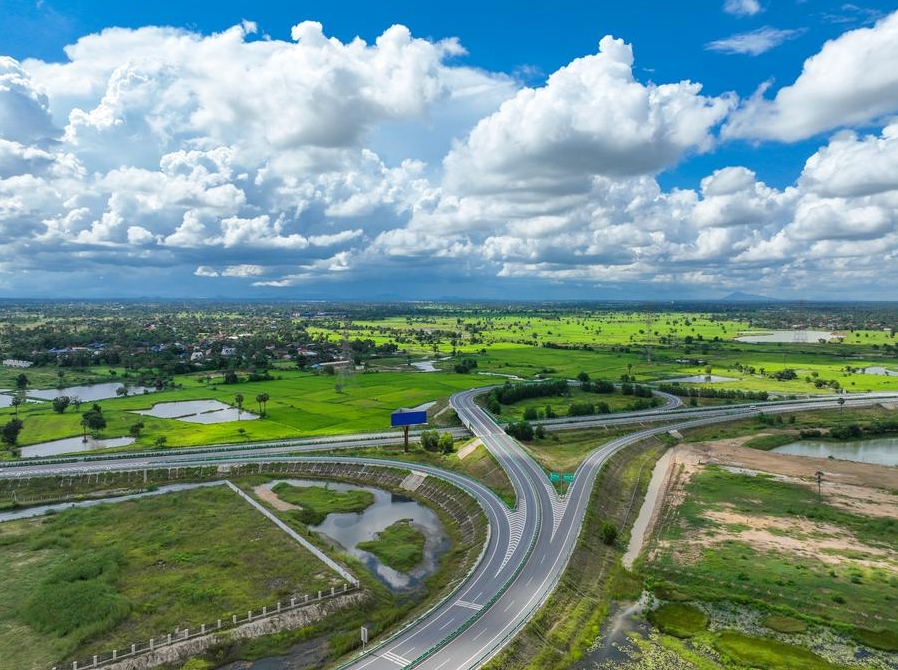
(566, 478)
(364, 637)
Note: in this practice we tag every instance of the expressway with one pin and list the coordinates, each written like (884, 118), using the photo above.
(527, 549)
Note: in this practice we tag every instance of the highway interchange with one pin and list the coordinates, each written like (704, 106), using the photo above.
(528, 547)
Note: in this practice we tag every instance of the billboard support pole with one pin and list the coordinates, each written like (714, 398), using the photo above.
(405, 432)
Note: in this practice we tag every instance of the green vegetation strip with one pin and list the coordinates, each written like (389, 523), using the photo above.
(399, 546)
(558, 636)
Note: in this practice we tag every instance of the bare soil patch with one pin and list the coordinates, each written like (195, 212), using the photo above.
(861, 488)
(270, 497)
(816, 541)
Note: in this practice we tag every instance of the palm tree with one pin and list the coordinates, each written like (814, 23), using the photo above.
(238, 400)
(262, 398)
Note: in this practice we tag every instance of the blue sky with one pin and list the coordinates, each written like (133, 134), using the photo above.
(563, 150)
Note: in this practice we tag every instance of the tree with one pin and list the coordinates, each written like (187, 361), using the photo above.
(841, 402)
(238, 400)
(583, 377)
(121, 391)
(230, 377)
(262, 398)
(135, 428)
(16, 401)
(21, 381)
(60, 403)
(520, 430)
(93, 419)
(446, 443)
(9, 434)
(430, 440)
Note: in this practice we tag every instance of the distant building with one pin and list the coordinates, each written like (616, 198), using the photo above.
(14, 363)
(228, 351)
(332, 364)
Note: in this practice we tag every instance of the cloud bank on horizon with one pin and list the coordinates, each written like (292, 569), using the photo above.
(162, 161)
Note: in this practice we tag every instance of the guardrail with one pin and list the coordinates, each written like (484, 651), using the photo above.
(182, 634)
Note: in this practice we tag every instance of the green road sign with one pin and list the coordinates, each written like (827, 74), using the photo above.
(568, 478)
(554, 477)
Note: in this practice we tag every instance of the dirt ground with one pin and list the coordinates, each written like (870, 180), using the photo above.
(272, 499)
(862, 488)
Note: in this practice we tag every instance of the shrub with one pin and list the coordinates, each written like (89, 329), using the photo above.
(608, 533)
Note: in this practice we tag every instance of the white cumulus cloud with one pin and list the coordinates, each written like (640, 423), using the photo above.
(591, 117)
(852, 80)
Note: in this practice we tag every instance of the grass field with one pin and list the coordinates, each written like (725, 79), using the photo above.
(818, 574)
(198, 541)
(532, 344)
(563, 451)
(90, 580)
(300, 404)
(850, 587)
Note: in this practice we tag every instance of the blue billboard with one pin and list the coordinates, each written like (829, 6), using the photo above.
(408, 417)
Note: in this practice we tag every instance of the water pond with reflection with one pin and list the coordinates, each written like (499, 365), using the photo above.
(349, 529)
(198, 411)
(89, 393)
(71, 445)
(786, 336)
(881, 450)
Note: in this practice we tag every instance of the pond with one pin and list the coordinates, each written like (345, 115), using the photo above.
(89, 393)
(198, 411)
(881, 451)
(787, 336)
(879, 370)
(6, 398)
(349, 529)
(72, 445)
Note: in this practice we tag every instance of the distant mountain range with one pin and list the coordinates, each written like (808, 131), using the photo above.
(739, 296)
